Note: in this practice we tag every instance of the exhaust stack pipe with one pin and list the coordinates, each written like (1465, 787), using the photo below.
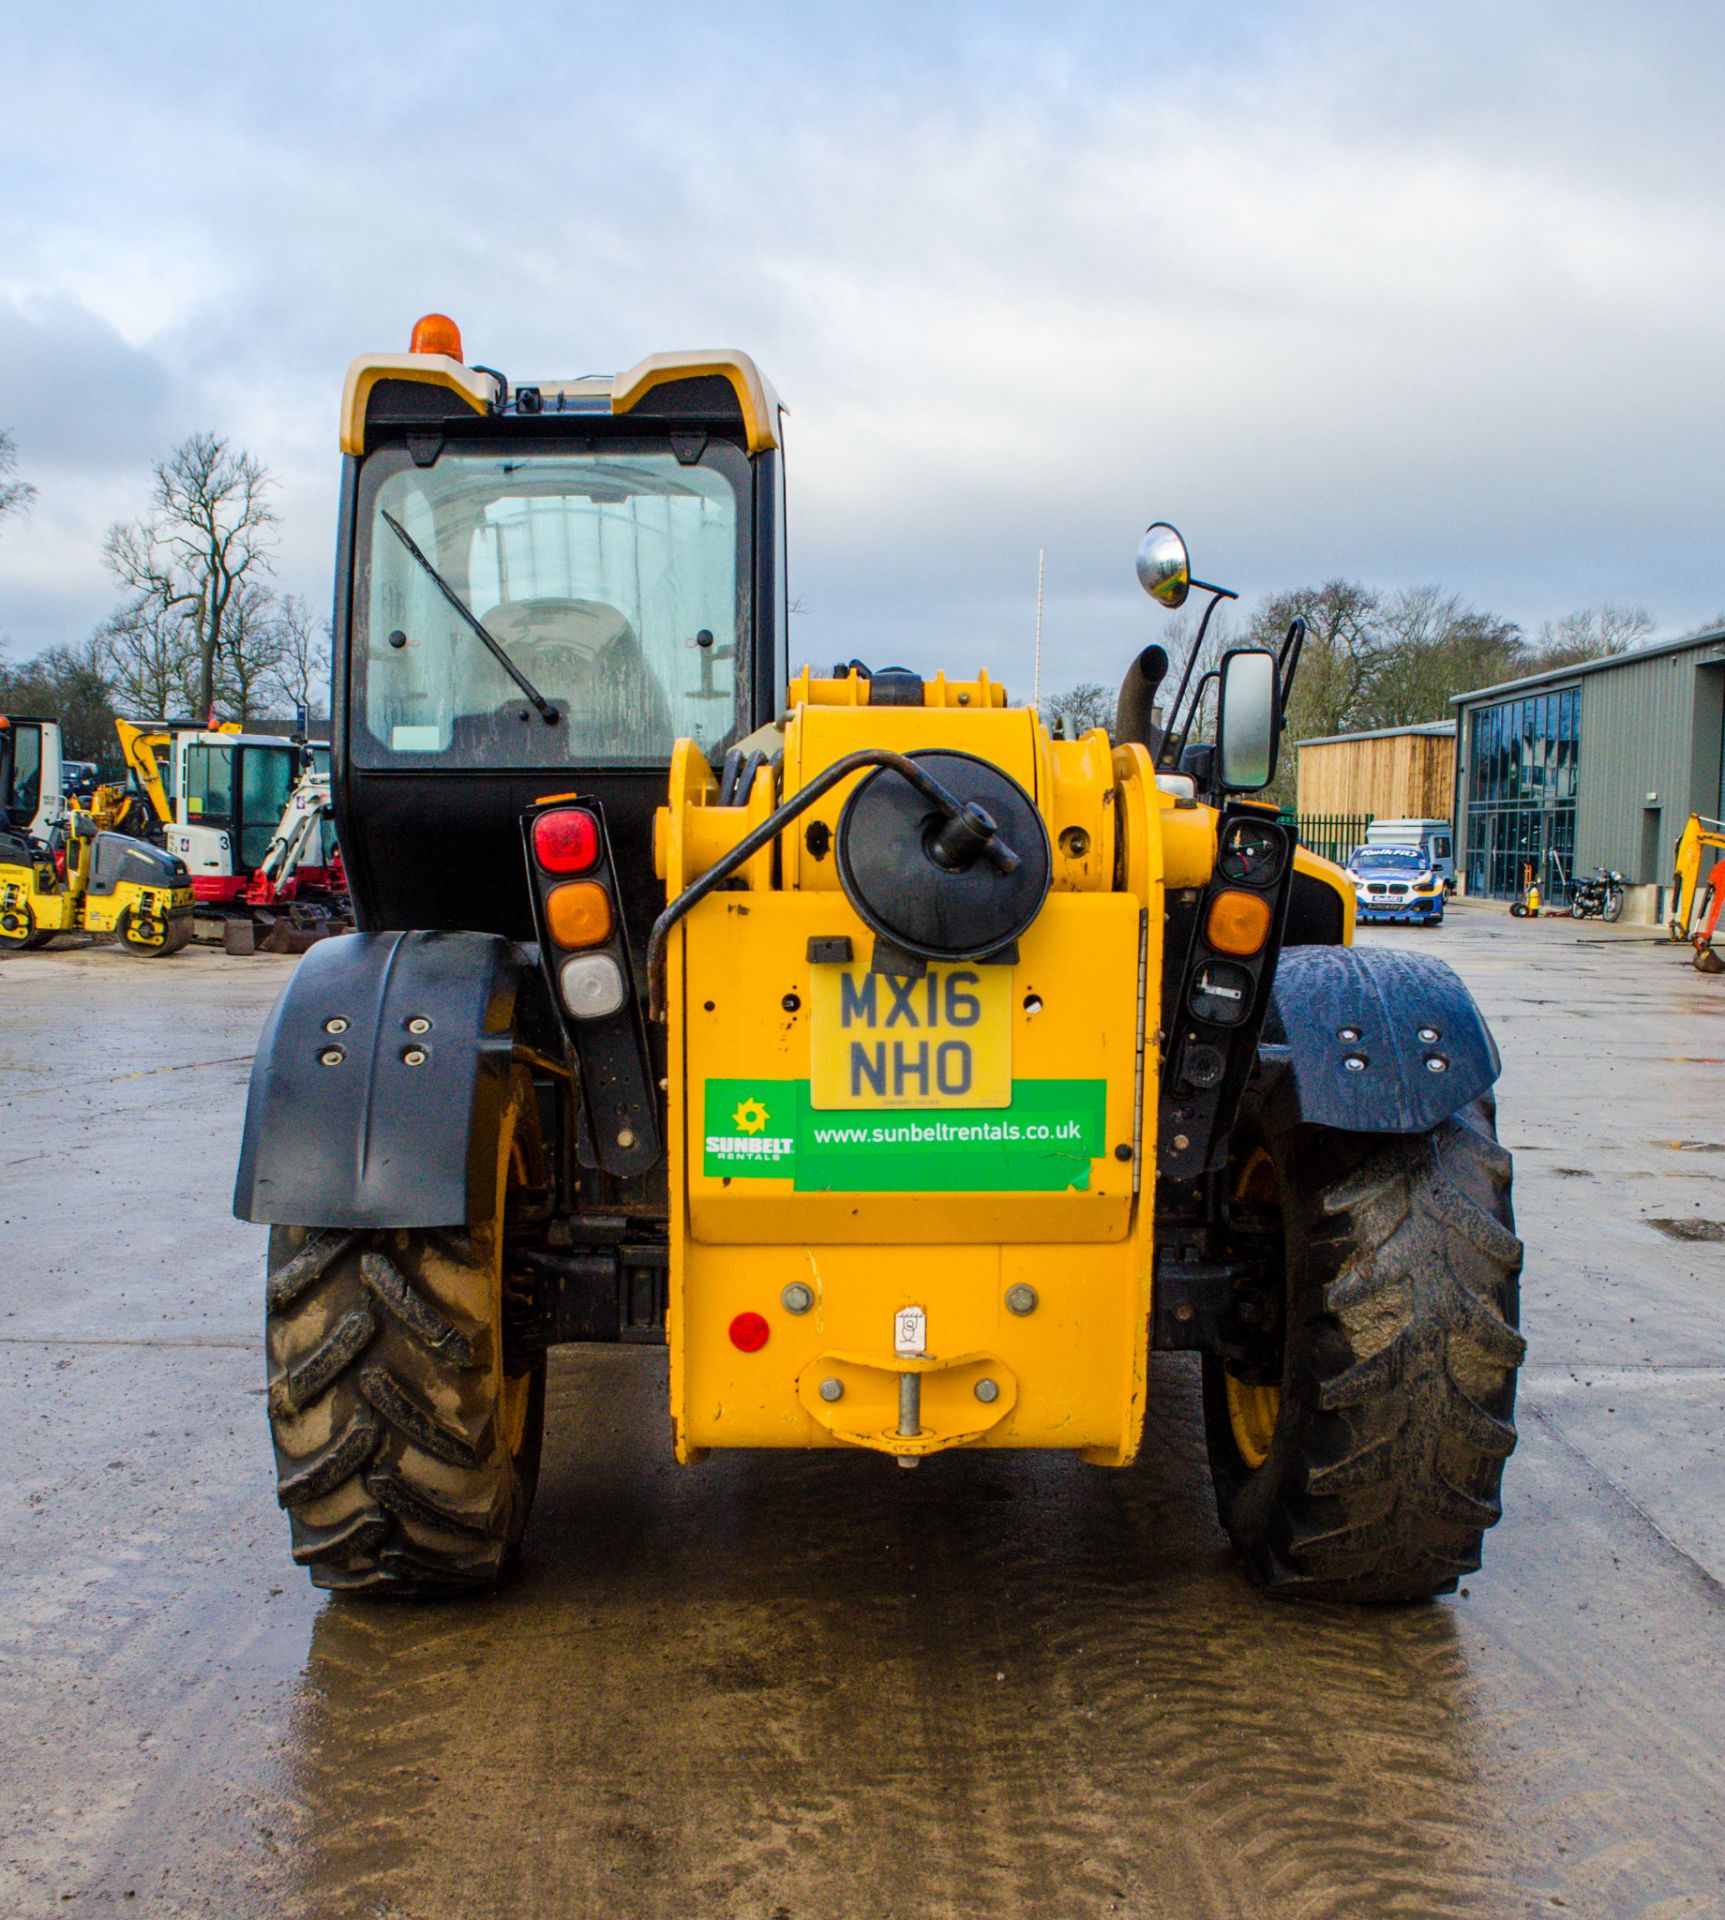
(1135, 712)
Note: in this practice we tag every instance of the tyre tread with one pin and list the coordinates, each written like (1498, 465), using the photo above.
(382, 1495)
(1387, 1466)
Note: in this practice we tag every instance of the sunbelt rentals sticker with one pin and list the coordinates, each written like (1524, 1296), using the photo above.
(1042, 1141)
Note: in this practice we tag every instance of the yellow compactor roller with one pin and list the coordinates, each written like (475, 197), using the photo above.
(911, 1071)
(83, 879)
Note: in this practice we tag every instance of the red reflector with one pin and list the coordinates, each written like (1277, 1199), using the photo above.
(566, 841)
(749, 1332)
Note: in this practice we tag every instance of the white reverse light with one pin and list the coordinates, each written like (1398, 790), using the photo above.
(592, 985)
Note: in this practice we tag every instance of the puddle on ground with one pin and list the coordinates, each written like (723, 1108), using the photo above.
(1690, 1229)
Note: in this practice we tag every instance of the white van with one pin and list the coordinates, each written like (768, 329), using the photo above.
(1436, 838)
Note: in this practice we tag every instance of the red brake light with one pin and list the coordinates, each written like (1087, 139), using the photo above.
(435, 333)
(566, 841)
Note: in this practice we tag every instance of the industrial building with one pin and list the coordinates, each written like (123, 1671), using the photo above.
(1597, 765)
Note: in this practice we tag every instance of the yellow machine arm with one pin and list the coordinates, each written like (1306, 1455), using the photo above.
(141, 749)
(1698, 835)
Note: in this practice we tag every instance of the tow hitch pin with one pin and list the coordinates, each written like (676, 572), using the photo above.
(909, 1414)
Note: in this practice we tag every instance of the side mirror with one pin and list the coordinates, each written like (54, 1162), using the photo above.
(1248, 721)
(1164, 566)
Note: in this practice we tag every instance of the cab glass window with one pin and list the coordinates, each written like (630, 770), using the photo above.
(616, 582)
(26, 773)
(267, 780)
(210, 783)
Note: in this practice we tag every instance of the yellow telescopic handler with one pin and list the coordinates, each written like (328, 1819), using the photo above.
(911, 1071)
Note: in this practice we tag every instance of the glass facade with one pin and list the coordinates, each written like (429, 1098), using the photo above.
(1523, 768)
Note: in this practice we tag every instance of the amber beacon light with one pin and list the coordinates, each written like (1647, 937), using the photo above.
(435, 333)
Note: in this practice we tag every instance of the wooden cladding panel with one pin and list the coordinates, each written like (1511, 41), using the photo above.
(1402, 776)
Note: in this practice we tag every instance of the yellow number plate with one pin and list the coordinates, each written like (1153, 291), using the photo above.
(942, 1041)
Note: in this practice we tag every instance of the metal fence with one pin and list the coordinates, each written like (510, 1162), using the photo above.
(1332, 836)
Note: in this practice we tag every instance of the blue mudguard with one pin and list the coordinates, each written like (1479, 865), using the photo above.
(1387, 1004)
(344, 1128)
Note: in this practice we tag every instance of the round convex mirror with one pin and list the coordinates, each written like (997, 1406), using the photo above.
(1164, 566)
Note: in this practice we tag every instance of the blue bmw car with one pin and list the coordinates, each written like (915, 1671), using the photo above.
(1396, 883)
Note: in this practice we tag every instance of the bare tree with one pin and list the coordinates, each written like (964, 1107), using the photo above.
(205, 538)
(302, 671)
(15, 495)
(72, 683)
(1344, 641)
(253, 647)
(1435, 645)
(1592, 633)
(1088, 704)
(149, 655)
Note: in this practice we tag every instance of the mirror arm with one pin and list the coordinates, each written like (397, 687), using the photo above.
(1218, 595)
(1191, 718)
(1288, 661)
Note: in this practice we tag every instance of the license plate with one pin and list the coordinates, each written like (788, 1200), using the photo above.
(942, 1041)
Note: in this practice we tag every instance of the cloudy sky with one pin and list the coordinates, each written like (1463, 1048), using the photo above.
(1411, 294)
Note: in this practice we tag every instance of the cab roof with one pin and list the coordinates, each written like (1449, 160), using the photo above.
(714, 384)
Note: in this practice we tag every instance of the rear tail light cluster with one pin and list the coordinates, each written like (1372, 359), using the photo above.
(1232, 941)
(584, 948)
(576, 912)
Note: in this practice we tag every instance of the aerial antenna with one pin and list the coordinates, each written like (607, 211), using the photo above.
(1036, 676)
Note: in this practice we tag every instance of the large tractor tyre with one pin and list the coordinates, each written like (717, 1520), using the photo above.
(407, 1442)
(1365, 1464)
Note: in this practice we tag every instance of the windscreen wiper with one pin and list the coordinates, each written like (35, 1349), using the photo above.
(547, 712)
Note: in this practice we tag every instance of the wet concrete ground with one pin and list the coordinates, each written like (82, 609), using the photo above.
(814, 1687)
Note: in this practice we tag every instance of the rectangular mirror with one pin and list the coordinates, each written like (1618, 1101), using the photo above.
(1248, 721)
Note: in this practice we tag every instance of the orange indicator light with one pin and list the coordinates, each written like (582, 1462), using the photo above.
(1238, 922)
(578, 913)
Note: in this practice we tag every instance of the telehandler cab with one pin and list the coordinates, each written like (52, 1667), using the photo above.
(912, 1072)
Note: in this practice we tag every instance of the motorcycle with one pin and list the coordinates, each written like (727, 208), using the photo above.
(1599, 897)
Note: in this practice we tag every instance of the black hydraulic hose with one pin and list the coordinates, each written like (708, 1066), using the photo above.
(991, 846)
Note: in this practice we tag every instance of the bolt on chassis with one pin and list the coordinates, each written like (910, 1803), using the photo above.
(910, 1067)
